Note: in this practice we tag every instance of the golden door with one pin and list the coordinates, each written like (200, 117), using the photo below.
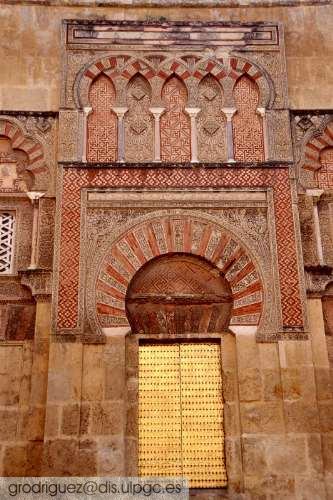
(181, 413)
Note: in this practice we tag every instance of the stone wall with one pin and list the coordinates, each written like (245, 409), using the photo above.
(31, 42)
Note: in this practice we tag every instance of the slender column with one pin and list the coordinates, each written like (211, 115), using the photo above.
(34, 197)
(194, 135)
(86, 112)
(262, 112)
(316, 194)
(229, 113)
(157, 142)
(120, 112)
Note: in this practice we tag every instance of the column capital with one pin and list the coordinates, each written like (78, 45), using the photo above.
(261, 112)
(120, 111)
(315, 194)
(35, 195)
(156, 111)
(39, 281)
(193, 111)
(229, 112)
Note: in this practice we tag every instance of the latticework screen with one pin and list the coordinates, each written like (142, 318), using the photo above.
(7, 221)
(181, 413)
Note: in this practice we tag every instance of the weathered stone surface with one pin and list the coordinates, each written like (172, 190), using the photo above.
(110, 457)
(262, 417)
(301, 417)
(272, 387)
(310, 488)
(70, 424)
(286, 451)
(22, 460)
(9, 420)
(327, 447)
(107, 418)
(250, 384)
(254, 455)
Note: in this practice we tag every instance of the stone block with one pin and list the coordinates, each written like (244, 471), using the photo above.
(64, 457)
(249, 380)
(317, 329)
(264, 417)
(310, 488)
(93, 373)
(65, 373)
(254, 457)
(132, 389)
(308, 384)
(131, 454)
(301, 417)
(10, 374)
(270, 487)
(272, 387)
(327, 450)
(115, 383)
(233, 458)
(114, 351)
(39, 373)
(85, 416)
(231, 419)
(329, 485)
(107, 418)
(132, 352)
(294, 354)
(315, 447)
(291, 383)
(229, 357)
(22, 460)
(110, 457)
(132, 421)
(52, 421)
(8, 424)
(286, 453)
(269, 356)
(70, 422)
(247, 352)
(31, 424)
(326, 415)
(323, 383)
(229, 380)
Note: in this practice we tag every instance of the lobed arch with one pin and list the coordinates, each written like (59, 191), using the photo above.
(33, 150)
(315, 146)
(170, 234)
(223, 69)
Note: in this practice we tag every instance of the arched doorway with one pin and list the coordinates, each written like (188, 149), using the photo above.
(179, 305)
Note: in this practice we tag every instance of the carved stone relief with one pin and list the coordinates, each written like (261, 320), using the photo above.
(139, 122)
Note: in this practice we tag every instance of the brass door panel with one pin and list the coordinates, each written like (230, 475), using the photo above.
(181, 413)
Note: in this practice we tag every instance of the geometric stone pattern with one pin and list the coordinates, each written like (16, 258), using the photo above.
(178, 294)
(173, 85)
(324, 175)
(26, 153)
(7, 221)
(102, 122)
(178, 234)
(314, 148)
(247, 125)
(75, 179)
(139, 122)
(211, 121)
(175, 124)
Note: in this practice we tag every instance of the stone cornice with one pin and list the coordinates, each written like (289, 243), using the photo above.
(196, 166)
(167, 3)
(45, 114)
